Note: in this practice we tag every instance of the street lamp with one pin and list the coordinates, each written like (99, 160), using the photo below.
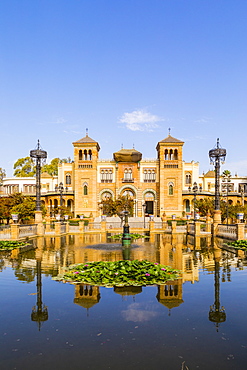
(144, 206)
(217, 156)
(195, 189)
(61, 189)
(225, 189)
(39, 155)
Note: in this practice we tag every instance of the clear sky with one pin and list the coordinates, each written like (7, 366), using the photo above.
(127, 70)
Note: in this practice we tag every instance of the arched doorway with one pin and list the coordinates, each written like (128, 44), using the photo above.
(149, 199)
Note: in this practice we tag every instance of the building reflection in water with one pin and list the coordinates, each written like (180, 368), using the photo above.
(86, 296)
(54, 254)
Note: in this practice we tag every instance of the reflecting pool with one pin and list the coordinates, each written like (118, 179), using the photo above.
(196, 322)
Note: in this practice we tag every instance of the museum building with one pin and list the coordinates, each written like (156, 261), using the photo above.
(157, 186)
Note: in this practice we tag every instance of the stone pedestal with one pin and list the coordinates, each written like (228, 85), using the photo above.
(103, 226)
(81, 227)
(151, 226)
(14, 229)
(241, 231)
(57, 228)
(217, 219)
(208, 223)
(174, 226)
(40, 229)
(197, 228)
(67, 227)
(38, 217)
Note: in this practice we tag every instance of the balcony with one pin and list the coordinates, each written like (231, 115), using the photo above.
(128, 180)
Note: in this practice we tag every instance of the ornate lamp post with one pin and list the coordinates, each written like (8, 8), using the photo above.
(61, 189)
(39, 155)
(217, 156)
(226, 178)
(144, 206)
(195, 189)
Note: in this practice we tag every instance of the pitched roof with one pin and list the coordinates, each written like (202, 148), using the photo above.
(171, 139)
(210, 173)
(86, 139)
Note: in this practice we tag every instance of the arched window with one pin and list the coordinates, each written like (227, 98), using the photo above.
(128, 193)
(188, 179)
(90, 154)
(166, 155)
(187, 205)
(175, 155)
(68, 179)
(85, 190)
(171, 154)
(80, 155)
(85, 155)
(106, 195)
(128, 174)
(170, 188)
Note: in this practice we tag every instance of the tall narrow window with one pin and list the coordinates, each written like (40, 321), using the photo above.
(188, 179)
(80, 155)
(85, 155)
(68, 179)
(85, 190)
(171, 154)
(170, 189)
(90, 154)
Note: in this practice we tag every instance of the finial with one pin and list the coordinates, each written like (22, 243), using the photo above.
(86, 131)
(122, 146)
(38, 144)
(169, 131)
(218, 143)
(133, 146)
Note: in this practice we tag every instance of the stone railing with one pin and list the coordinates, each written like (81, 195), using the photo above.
(227, 231)
(27, 230)
(5, 232)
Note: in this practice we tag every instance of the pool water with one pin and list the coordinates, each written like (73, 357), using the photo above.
(196, 322)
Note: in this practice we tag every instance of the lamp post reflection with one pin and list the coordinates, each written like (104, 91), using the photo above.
(217, 313)
(40, 311)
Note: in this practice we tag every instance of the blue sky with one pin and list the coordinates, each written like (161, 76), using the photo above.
(127, 70)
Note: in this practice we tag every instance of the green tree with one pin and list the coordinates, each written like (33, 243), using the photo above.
(24, 167)
(25, 206)
(52, 168)
(2, 175)
(112, 207)
(25, 209)
(205, 206)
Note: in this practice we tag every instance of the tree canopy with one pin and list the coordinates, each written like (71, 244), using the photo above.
(25, 206)
(112, 207)
(206, 205)
(2, 175)
(24, 167)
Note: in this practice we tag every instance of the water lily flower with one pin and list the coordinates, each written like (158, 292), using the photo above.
(163, 269)
(76, 272)
(147, 274)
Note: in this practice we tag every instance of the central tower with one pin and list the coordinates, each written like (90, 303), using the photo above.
(170, 169)
(86, 152)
